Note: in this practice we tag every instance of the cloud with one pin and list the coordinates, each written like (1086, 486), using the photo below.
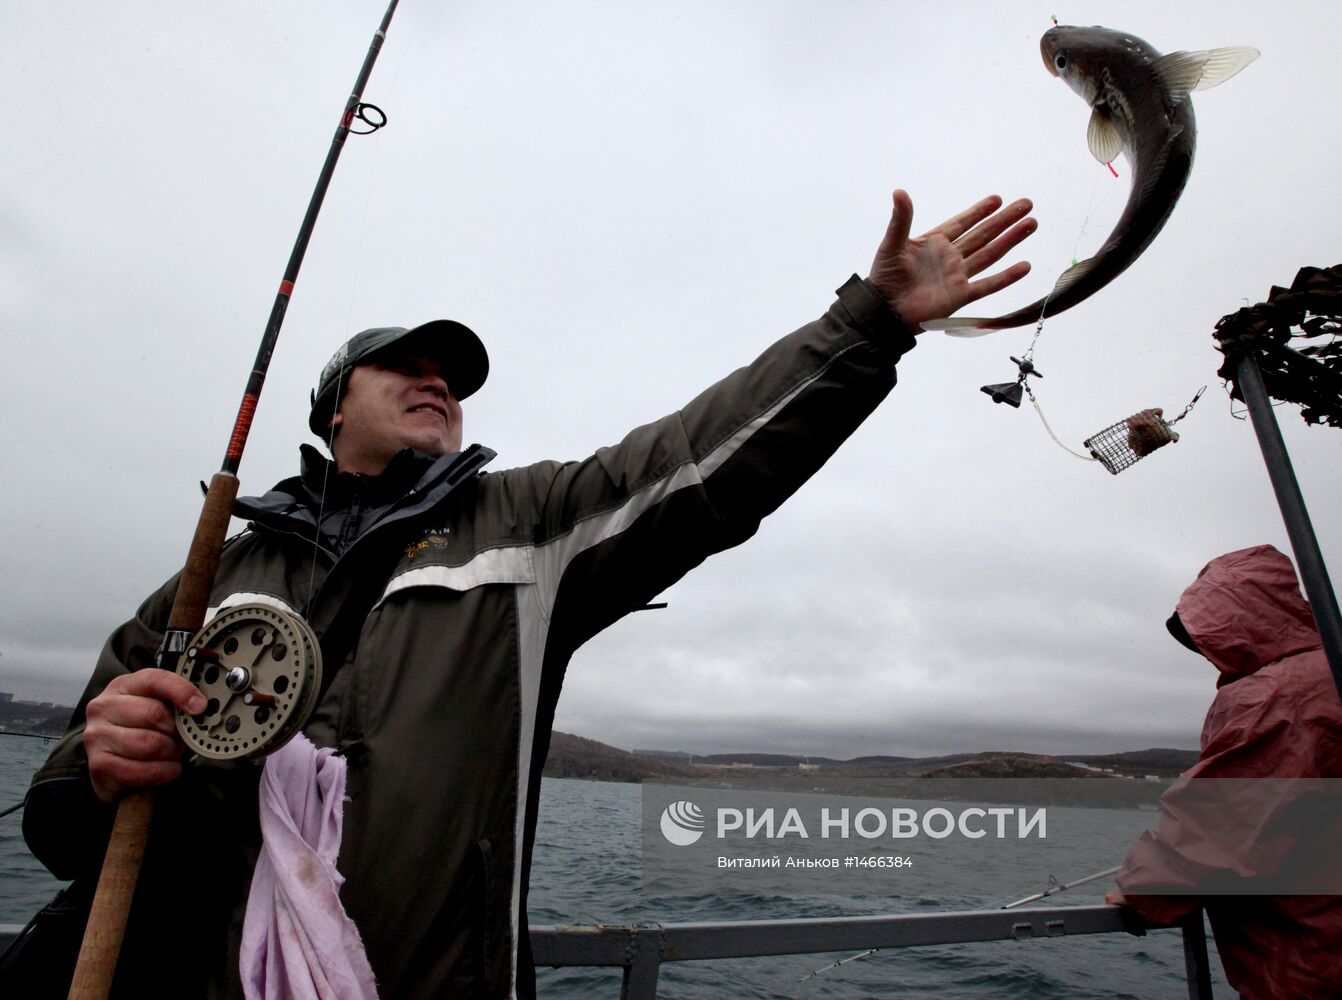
(628, 203)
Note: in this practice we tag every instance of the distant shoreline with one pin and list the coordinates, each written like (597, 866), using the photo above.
(1125, 780)
(1133, 776)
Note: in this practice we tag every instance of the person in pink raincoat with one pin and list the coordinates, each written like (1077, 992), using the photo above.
(1276, 717)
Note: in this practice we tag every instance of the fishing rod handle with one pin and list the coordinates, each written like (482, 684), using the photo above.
(125, 849)
(202, 559)
(111, 903)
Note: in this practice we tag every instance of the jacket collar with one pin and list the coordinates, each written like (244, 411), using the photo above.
(406, 470)
(410, 473)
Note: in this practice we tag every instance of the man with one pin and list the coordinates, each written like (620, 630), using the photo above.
(1276, 717)
(443, 705)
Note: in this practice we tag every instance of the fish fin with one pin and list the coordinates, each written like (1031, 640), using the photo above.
(1182, 72)
(960, 326)
(1222, 64)
(1103, 137)
(1072, 275)
(978, 326)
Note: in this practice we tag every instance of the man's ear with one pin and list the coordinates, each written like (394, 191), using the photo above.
(331, 429)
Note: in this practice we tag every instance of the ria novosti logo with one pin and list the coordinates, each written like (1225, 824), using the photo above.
(682, 823)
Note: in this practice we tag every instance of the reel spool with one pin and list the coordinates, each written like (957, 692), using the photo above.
(260, 670)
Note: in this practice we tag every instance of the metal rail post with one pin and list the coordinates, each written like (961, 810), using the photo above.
(1318, 588)
(1197, 964)
(643, 963)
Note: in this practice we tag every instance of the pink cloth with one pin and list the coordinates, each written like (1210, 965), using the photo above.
(297, 941)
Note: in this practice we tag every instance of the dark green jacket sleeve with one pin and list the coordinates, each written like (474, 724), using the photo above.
(64, 823)
(620, 527)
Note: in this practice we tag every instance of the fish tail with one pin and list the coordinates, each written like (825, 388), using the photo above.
(963, 326)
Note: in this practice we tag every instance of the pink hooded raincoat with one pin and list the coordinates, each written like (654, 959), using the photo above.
(1276, 715)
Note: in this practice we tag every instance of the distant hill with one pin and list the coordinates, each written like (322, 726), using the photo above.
(1155, 761)
(577, 757)
(1006, 765)
(45, 718)
(743, 759)
(762, 759)
(903, 766)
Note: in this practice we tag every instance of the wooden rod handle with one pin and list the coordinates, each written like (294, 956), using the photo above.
(202, 560)
(125, 850)
(111, 902)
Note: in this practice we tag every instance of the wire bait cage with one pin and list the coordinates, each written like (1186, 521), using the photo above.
(1126, 442)
(1120, 445)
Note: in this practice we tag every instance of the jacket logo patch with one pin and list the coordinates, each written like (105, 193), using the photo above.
(434, 539)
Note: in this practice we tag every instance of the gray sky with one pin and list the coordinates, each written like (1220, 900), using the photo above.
(628, 200)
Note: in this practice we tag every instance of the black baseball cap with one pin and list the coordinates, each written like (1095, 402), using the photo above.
(453, 345)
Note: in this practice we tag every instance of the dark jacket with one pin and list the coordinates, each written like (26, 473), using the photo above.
(445, 704)
(1276, 717)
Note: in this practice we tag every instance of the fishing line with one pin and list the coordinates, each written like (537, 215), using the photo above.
(1121, 444)
(340, 378)
(1092, 207)
(1043, 420)
(321, 500)
(374, 165)
(359, 256)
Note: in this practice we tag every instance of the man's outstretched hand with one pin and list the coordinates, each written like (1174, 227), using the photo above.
(928, 277)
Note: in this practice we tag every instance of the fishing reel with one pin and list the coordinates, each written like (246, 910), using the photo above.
(259, 669)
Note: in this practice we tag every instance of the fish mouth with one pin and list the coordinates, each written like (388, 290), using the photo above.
(1046, 51)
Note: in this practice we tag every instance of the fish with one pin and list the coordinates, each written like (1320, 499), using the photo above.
(1139, 107)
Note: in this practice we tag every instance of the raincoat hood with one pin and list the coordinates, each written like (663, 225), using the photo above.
(1245, 611)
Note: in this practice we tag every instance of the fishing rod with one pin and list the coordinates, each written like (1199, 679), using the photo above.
(187, 652)
(1054, 887)
(45, 738)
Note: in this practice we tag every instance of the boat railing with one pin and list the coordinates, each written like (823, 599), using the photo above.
(641, 949)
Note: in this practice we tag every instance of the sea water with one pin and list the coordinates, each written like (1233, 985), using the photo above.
(586, 870)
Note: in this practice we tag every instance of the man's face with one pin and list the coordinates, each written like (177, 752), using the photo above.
(399, 401)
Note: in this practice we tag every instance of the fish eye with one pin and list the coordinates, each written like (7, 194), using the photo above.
(1060, 61)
